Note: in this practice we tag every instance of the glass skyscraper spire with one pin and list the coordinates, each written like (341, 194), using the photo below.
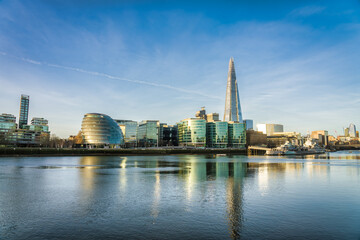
(232, 100)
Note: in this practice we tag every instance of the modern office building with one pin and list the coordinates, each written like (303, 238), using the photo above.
(168, 135)
(269, 129)
(101, 130)
(217, 134)
(352, 130)
(321, 136)
(232, 100)
(129, 130)
(38, 125)
(192, 132)
(148, 133)
(24, 110)
(7, 127)
(27, 137)
(249, 124)
(237, 134)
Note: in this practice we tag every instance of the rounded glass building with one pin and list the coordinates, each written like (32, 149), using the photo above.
(100, 129)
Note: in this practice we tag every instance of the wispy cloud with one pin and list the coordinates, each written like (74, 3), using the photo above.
(100, 74)
(307, 11)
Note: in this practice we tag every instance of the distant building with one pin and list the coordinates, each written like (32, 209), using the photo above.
(321, 136)
(24, 110)
(332, 139)
(208, 117)
(192, 132)
(7, 126)
(201, 113)
(148, 131)
(346, 132)
(279, 138)
(39, 121)
(255, 138)
(352, 130)
(101, 130)
(232, 99)
(237, 134)
(249, 124)
(129, 130)
(269, 129)
(5, 117)
(211, 117)
(217, 134)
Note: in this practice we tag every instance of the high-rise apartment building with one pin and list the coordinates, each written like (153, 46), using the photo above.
(24, 110)
(232, 100)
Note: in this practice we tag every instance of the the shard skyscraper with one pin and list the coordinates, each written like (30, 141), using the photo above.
(232, 100)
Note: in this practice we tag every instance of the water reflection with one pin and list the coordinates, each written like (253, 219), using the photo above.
(200, 177)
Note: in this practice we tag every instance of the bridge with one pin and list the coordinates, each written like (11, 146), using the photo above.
(255, 150)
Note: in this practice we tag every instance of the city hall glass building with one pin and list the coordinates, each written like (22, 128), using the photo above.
(192, 132)
(100, 130)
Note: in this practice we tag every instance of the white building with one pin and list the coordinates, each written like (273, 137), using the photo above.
(269, 128)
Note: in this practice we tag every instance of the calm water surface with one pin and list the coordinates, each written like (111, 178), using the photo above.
(180, 196)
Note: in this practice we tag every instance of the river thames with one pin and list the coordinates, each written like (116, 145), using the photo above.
(181, 197)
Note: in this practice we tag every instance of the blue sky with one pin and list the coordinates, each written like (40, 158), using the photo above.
(297, 63)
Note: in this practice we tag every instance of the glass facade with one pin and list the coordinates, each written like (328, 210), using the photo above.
(129, 130)
(5, 117)
(148, 133)
(168, 135)
(24, 110)
(237, 135)
(100, 129)
(249, 124)
(232, 100)
(352, 130)
(192, 132)
(217, 134)
(37, 128)
(39, 121)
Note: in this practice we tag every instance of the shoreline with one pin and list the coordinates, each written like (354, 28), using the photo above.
(25, 152)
